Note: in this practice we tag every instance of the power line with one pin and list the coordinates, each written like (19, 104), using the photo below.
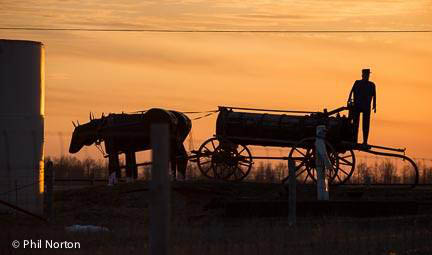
(209, 31)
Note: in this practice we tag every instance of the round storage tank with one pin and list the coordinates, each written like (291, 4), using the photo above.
(22, 124)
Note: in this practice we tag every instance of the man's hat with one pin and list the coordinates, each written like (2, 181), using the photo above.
(366, 70)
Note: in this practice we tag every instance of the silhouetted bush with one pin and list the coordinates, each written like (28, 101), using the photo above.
(71, 167)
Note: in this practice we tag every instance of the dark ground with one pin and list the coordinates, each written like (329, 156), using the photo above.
(202, 224)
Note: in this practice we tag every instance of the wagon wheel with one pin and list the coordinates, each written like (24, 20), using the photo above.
(305, 167)
(231, 161)
(224, 160)
(345, 163)
(205, 155)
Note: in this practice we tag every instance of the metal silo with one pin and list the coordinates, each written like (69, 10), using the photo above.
(22, 101)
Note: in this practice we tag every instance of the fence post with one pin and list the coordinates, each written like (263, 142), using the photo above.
(367, 181)
(49, 188)
(322, 162)
(160, 191)
(292, 213)
(92, 176)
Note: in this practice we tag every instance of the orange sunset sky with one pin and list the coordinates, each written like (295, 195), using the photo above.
(115, 71)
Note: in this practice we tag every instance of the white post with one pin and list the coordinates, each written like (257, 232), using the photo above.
(322, 162)
(160, 191)
(112, 179)
(292, 214)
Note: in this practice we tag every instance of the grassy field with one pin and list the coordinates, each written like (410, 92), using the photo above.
(199, 228)
(383, 171)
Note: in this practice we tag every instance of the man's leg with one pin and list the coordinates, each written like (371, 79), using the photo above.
(366, 123)
(356, 122)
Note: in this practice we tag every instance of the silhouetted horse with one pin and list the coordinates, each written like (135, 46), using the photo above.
(129, 133)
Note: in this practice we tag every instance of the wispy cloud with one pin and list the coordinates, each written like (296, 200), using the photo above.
(192, 14)
(271, 16)
(130, 71)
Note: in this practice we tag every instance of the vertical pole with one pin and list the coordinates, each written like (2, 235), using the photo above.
(160, 191)
(322, 161)
(292, 213)
(367, 181)
(49, 187)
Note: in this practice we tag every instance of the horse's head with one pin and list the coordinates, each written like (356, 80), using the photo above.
(85, 134)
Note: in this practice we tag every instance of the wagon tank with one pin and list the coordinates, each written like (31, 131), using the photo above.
(279, 130)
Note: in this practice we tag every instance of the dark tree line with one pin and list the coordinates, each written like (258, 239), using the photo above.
(384, 171)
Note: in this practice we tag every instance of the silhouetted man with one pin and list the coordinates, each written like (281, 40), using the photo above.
(364, 91)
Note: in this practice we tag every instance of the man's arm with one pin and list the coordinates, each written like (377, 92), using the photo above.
(352, 90)
(374, 98)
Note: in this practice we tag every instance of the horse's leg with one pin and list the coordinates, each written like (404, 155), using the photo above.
(182, 160)
(134, 167)
(173, 160)
(130, 164)
(113, 168)
(131, 168)
(118, 169)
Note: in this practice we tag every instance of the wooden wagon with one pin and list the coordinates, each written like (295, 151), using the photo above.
(226, 156)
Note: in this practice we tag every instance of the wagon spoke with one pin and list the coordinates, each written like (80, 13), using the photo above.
(300, 165)
(243, 160)
(240, 170)
(214, 147)
(297, 175)
(304, 155)
(347, 163)
(344, 167)
(347, 156)
(340, 169)
(304, 181)
(244, 148)
(205, 162)
(312, 172)
(243, 164)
